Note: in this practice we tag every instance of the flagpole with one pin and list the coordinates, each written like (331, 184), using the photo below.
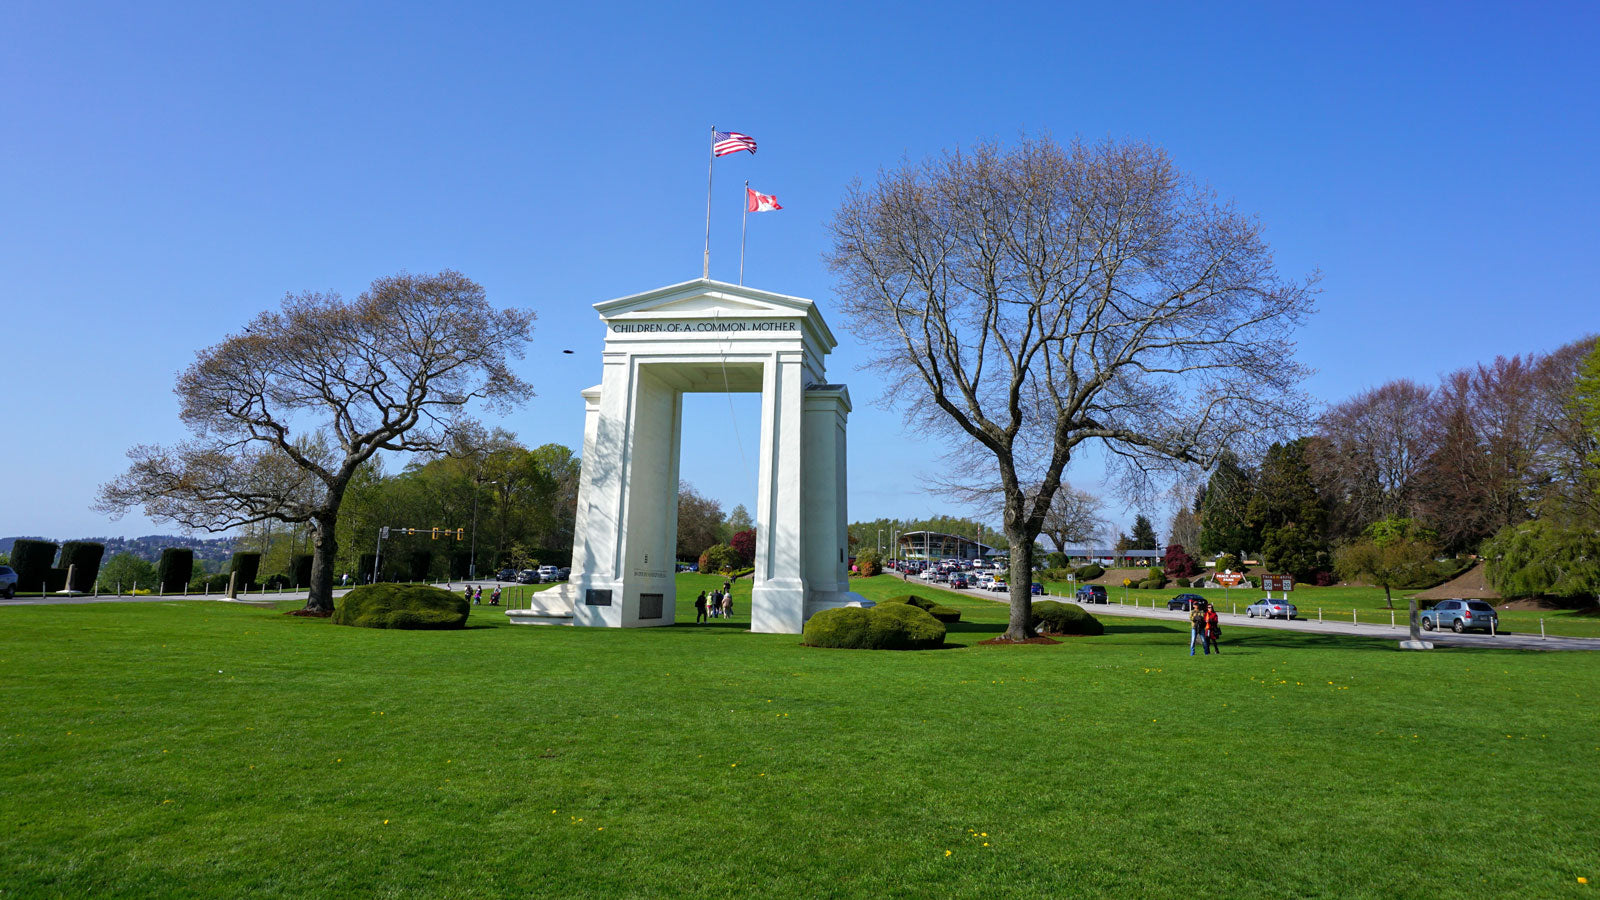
(743, 220)
(711, 148)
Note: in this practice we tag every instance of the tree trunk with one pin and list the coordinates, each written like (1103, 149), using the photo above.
(1020, 626)
(324, 555)
(1386, 598)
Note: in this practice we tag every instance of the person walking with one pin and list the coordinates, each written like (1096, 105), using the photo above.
(727, 604)
(494, 599)
(1213, 630)
(344, 580)
(477, 596)
(469, 593)
(1197, 627)
(700, 608)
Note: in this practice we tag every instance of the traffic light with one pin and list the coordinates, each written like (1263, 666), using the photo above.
(461, 534)
(435, 534)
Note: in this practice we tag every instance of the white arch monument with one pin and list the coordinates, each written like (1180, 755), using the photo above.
(707, 336)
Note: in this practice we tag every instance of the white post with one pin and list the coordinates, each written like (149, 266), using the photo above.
(1541, 628)
(744, 219)
(1353, 620)
(711, 149)
(136, 591)
(1319, 614)
(1391, 618)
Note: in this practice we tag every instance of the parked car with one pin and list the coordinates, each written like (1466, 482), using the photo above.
(528, 576)
(547, 573)
(1272, 609)
(565, 572)
(1091, 593)
(1036, 588)
(506, 575)
(1185, 602)
(8, 582)
(1461, 615)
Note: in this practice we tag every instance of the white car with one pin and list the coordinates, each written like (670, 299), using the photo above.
(1272, 609)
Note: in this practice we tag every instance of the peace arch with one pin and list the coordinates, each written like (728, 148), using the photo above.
(707, 336)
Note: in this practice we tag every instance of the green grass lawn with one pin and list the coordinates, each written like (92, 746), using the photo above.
(173, 749)
(1367, 602)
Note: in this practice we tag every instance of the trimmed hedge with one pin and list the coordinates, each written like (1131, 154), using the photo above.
(300, 569)
(411, 606)
(945, 614)
(175, 570)
(890, 626)
(1089, 572)
(246, 567)
(82, 558)
(1052, 617)
(32, 560)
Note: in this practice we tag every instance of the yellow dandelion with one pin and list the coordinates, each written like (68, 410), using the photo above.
(986, 843)
(947, 853)
(385, 821)
(1582, 880)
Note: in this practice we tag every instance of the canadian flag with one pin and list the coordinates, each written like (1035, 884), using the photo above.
(755, 201)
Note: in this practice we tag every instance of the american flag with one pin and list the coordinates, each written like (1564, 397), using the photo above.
(725, 142)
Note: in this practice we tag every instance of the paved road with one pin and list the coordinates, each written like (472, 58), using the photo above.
(1374, 630)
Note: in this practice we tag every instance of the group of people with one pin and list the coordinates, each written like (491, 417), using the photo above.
(475, 596)
(1203, 627)
(719, 605)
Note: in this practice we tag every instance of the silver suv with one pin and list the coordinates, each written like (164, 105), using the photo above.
(1461, 615)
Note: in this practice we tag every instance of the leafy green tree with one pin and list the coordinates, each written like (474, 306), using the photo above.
(1144, 534)
(869, 563)
(1224, 507)
(739, 520)
(1544, 559)
(1586, 403)
(126, 570)
(1393, 553)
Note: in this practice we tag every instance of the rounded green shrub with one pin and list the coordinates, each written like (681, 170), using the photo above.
(888, 626)
(1052, 617)
(401, 606)
(945, 614)
(1089, 572)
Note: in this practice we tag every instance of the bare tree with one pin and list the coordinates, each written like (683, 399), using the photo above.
(1073, 518)
(1041, 296)
(285, 413)
(1370, 451)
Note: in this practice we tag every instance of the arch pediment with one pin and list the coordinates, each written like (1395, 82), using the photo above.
(707, 299)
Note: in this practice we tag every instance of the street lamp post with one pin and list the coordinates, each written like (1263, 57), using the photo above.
(880, 542)
(472, 561)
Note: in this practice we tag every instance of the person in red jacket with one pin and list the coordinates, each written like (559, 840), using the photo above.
(1213, 630)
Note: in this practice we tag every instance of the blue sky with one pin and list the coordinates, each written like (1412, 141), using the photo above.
(168, 172)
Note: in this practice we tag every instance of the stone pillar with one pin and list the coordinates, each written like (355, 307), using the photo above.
(827, 571)
(779, 594)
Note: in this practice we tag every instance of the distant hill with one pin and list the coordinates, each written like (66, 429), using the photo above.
(148, 547)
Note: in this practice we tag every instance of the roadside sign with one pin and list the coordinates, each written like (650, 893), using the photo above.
(1229, 579)
(384, 532)
(1283, 583)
